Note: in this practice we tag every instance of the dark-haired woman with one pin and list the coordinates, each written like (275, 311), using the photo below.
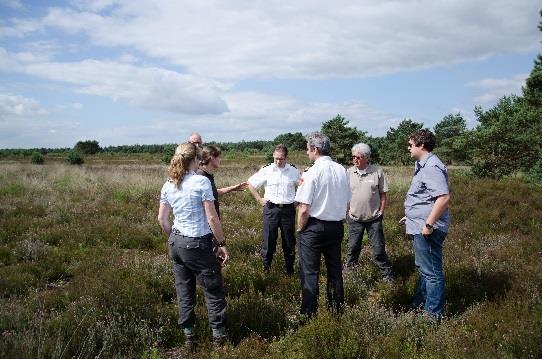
(189, 197)
(210, 162)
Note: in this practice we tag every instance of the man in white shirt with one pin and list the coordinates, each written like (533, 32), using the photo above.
(280, 179)
(323, 197)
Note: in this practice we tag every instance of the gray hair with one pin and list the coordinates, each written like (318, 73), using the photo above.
(320, 141)
(362, 148)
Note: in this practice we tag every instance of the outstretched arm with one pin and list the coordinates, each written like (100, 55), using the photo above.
(237, 187)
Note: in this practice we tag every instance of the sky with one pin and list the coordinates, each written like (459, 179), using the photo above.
(151, 72)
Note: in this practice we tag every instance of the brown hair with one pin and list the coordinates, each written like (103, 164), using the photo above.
(179, 166)
(281, 148)
(425, 138)
(208, 152)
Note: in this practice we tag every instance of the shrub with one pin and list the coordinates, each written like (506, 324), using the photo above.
(74, 158)
(37, 158)
(535, 173)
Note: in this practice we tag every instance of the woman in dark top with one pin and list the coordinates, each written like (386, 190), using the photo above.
(210, 162)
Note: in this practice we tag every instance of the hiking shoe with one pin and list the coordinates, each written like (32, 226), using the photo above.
(219, 342)
(189, 345)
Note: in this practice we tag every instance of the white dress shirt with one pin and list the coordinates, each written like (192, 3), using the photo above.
(325, 187)
(279, 182)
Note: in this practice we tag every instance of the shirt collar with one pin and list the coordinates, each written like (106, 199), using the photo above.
(366, 170)
(421, 162)
(322, 158)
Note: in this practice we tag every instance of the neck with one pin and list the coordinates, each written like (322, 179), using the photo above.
(362, 167)
(208, 169)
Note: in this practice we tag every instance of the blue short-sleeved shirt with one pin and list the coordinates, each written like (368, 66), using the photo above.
(187, 204)
(430, 181)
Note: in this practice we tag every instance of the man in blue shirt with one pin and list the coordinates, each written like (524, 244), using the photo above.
(427, 221)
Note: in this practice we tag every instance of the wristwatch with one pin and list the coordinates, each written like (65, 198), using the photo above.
(221, 244)
(429, 227)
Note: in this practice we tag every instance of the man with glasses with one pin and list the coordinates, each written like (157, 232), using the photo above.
(366, 210)
(427, 222)
(280, 179)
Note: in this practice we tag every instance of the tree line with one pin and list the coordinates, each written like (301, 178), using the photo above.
(507, 139)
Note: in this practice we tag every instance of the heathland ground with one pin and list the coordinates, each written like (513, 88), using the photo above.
(84, 271)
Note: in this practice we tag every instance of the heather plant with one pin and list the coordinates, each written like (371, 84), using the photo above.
(84, 272)
(37, 158)
(74, 158)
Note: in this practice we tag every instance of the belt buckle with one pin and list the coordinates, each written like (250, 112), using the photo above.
(280, 205)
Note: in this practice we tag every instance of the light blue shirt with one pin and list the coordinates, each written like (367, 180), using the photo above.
(430, 181)
(186, 202)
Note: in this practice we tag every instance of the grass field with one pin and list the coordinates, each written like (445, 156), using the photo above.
(84, 272)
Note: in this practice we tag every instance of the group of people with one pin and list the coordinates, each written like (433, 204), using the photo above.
(309, 208)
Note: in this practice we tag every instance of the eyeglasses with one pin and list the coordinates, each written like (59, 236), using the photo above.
(357, 157)
(410, 145)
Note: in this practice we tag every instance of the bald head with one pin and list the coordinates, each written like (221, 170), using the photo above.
(195, 138)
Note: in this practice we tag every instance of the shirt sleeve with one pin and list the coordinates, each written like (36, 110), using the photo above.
(257, 179)
(163, 194)
(206, 190)
(382, 182)
(305, 191)
(436, 181)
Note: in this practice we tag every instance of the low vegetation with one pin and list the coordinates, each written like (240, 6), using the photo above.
(84, 272)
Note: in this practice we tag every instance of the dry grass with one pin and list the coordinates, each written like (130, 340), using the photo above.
(84, 272)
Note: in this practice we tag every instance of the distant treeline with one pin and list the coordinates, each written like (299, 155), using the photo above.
(507, 139)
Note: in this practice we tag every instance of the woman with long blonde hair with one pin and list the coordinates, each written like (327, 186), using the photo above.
(189, 197)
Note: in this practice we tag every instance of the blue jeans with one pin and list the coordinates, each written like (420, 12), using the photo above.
(428, 260)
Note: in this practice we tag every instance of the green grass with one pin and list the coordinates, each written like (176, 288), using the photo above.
(84, 272)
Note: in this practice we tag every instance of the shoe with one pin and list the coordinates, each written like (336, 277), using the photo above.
(219, 342)
(189, 345)
(389, 279)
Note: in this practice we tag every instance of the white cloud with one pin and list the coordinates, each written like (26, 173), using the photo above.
(145, 87)
(238, 39)
(495, 88)
(20, 27)
(14, 4)
(13, 107)
(262, 116)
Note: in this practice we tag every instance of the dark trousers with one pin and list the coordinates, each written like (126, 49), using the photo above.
(275, 217)
(321, 237)
(194, 257)
(375, 232)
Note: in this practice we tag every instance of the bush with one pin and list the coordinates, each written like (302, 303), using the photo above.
(169, 151)
(37, 158)
(535, 173)
(74, 158)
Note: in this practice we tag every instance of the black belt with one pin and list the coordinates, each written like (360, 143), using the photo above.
(176, 232)
(279, 205)
(314, 219)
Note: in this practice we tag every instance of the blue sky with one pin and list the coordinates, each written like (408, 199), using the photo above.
(127, 72)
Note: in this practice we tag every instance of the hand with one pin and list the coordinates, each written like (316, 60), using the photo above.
(240, 187)
(222, 255)
(402, 221)
(426, 231)
(263, 201)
